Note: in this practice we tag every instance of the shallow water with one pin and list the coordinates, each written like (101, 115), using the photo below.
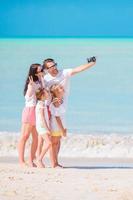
(100, 99)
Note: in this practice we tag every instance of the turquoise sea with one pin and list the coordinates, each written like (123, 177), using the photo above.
(101, 99)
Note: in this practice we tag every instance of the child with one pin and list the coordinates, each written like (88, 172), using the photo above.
(57, 122)
(42, 126)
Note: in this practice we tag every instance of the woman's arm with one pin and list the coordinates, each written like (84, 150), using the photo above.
(30, 87)
(30, 90)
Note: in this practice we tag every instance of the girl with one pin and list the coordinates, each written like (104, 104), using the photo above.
(42, 126)
(28, 114)
(57, 122)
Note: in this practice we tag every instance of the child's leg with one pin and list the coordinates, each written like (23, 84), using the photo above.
(33, 146)
(39, 147)
(57, 151)
(46, 145)
(56, 147)
(51, 154)
(25, 133)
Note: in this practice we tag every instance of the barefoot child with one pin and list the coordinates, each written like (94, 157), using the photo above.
(57, 123)
(42, 126)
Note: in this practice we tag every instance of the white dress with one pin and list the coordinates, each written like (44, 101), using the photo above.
(57, 112)
(39, 124)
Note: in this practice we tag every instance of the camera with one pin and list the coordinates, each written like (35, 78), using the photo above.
(91, 59)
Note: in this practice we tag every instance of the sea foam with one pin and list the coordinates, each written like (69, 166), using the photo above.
(75, 145)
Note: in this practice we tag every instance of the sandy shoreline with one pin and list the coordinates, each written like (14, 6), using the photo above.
(80, 162)
(80, 180)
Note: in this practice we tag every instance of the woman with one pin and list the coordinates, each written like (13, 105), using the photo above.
(33, 82)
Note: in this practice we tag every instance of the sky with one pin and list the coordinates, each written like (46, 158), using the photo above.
(69, 18)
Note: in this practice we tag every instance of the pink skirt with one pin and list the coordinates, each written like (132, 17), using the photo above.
(28, 116)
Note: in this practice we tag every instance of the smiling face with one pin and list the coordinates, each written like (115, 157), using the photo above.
(51, 67)
(39, 71)
(57, 91)
(42, 94)
(34, 71)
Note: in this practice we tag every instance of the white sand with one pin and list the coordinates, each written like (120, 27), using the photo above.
(79, 181)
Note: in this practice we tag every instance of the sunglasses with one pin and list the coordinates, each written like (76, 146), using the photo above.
(54, 65)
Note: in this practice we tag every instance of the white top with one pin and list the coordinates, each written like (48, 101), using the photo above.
(30, 101)
(41, 105)
(57, 112)
(63, 78)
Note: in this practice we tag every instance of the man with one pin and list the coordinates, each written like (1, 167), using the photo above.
(61, 77)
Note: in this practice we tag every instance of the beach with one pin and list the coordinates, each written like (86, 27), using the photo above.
(95, 168)
(75, 182)
(100, 99)
(98, 151)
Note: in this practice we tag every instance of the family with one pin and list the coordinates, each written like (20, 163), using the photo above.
(46, 91)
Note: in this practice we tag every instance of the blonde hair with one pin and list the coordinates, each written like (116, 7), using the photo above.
(39, 93)
(53, 90)
(55, 99)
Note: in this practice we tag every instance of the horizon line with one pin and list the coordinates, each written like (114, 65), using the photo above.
(67, 37)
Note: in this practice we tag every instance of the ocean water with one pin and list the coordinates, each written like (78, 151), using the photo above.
(78, 145)
(101, 99)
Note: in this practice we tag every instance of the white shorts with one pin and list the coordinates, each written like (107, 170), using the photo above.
(41, 130)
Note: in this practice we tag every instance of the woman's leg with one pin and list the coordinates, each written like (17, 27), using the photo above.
(25, 133)
(46, 145)
(33, 146)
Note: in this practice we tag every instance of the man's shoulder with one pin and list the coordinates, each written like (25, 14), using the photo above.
(67, 72)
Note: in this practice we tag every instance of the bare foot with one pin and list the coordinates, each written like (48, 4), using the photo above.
(40, 164)
(32, 164)
(58, 165)
(23, 164)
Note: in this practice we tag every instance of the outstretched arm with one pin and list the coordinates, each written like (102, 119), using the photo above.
(82, 68)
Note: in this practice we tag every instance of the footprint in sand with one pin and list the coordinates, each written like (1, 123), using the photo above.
(95, 189)
(27, 172)
(127, 196)
(112, 190)
(10, 193)
(11, 178)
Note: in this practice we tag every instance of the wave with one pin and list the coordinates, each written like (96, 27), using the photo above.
(75, 145)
